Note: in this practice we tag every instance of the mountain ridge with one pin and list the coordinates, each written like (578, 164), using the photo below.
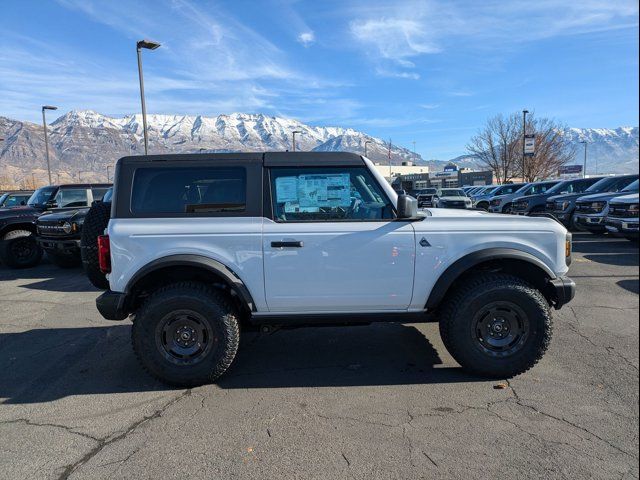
(84, 142)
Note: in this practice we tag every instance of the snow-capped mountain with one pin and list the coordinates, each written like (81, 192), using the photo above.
(84, 143)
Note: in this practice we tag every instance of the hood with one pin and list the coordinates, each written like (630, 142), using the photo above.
(455, 199)
(601, 197)
(531, 198)
(566, 197)
(65, 215)
(22, 211)
(628, 199)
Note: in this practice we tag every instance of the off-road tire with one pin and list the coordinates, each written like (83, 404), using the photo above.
(458, 331)
(64, 260)
(183, 299)
(94, 225)
(483, 206)
(20, 239)
(507, 209)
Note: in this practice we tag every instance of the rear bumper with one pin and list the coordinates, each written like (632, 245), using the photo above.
(112, 305)
(563, 291)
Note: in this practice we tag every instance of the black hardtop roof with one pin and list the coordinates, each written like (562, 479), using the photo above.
(3, 192)
(269, 159)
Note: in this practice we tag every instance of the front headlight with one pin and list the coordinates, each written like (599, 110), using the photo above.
(598, 206)
(524, 204)
(562, 206)
(67, 227)
(633, 208)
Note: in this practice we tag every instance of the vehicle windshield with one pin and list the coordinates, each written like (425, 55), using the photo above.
(107, 196)
(523, 188)
(2, 198)
(426, 191)
(453, 192)
(41, 196)
(538, 188)
(610, 184)
(632, 187)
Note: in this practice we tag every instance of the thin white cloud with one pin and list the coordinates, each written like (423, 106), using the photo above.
(307, 38)
(429, 106)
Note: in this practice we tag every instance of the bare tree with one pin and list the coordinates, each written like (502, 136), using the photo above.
(552, 149)
(496, 146)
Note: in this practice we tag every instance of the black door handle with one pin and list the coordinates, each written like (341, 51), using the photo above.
(292, 243)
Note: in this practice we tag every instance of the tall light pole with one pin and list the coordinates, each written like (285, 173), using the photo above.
(108, 167)
(293, 145)
(524, 136)
(149, 45)
(584, 168)
(389, 154)
(414, 150)
(46, 137)
(365, 146)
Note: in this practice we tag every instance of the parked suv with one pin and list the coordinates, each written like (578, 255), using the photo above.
(592, 210)
(200, 246)
(18, 246)
(452, 198)
(502, 199)
(622, 218)
(16, 198)
(534, 197)
(59, 232)
(563, 207)
(425, 197)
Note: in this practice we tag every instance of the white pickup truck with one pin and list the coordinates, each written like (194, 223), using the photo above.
(202, 246)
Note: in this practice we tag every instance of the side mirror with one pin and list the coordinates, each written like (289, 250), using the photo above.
(407, 206)
(51, 204)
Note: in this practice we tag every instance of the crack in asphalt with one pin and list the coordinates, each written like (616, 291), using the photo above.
(110, 439)
(53, 425)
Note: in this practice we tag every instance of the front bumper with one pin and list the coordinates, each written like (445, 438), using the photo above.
(593, 223)
(63, 246)
(112, 305)
(627, 227)
(563, 289)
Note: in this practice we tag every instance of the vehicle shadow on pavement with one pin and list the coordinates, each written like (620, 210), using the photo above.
(619, 259)
(49, 278)
(630, 285)
(46, 364)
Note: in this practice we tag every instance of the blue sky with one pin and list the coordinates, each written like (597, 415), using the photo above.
(430, 71)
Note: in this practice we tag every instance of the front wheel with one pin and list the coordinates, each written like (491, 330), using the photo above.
(507, 209)
(19, 249)
(496, 325)
(186, 334)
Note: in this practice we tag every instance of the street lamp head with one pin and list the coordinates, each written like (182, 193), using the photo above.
(525, 111)
(297, 131)
(49, 107)
(148, 44)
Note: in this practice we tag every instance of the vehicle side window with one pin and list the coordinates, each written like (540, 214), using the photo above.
(327, 194)
(184, 191)
(98, 193)
(15, 200)
(71, 197)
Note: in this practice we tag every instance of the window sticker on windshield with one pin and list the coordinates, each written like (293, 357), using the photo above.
(324, 190)
(286, 189)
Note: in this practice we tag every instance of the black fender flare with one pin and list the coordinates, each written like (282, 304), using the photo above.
(470, 260)
(198, 261)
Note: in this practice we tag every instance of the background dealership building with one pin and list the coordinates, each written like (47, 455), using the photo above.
(415, 177)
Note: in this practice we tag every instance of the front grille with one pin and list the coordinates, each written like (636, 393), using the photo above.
(453, 204)
(586, 208)
(621, 211)
(51, 230)
(519, 206)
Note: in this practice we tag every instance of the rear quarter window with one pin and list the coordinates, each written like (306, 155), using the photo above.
(189, 191)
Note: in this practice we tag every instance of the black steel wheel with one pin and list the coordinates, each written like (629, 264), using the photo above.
(500, 328)
(185, 337)
(496, 325)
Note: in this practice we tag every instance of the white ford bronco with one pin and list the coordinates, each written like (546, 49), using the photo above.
(200, 247)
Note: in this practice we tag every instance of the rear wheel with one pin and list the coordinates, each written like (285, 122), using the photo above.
(19, 249)
(496, 325)
(95, 223)
(186, 334)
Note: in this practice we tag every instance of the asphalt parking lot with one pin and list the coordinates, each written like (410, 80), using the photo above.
(383, 401)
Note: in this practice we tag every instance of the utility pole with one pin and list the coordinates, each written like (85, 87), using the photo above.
(584, 168)
(108, 167)
(524, 136)
(414, 150)
(365, 146)
(389, 154)
(149, 45)
(293, 143)
(46, 137)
